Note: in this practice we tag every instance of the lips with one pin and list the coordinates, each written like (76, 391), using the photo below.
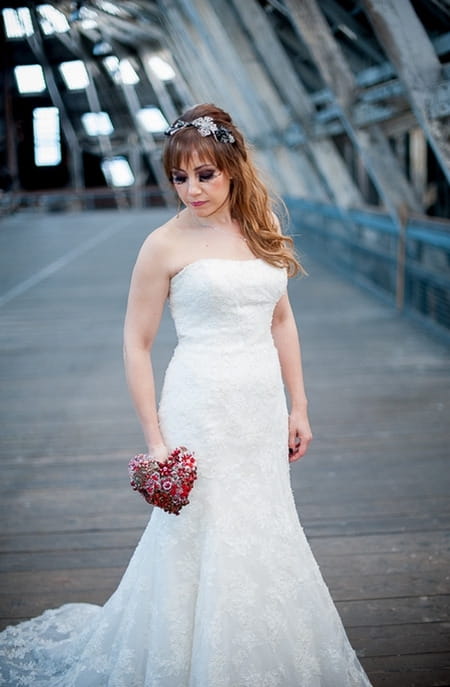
(198, 203)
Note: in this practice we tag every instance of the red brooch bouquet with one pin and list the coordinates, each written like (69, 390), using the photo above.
(168, 484)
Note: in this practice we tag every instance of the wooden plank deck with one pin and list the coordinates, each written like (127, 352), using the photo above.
(373, 494)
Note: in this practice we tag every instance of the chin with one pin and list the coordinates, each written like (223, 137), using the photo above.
(204, 210)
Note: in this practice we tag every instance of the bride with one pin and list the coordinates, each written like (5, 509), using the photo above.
(228, 593)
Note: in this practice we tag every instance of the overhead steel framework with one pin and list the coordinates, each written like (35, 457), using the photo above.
(346, 104)
(344, 101)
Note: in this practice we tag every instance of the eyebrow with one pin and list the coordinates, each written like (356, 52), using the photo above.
(205, 164)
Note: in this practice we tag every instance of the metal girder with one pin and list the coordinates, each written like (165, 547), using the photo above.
(313, 29)
(371, 143)
(145, 138)
(192, 54)
(439, 104)
(404, 38)
(272, 54)
(75, 160)
(223, 52)
(9, 139)
(143, 23)
(338, 15)
(328, 122)
(290, 169)
(73, 42)
(379, 83)
(323, 155)
(164, 99)
(260, 124)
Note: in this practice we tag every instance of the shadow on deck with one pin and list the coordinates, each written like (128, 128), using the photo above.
(373, 493)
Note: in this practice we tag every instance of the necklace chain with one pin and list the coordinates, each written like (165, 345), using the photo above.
(232, 234)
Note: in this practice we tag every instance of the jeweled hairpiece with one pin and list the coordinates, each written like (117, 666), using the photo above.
(206, 126)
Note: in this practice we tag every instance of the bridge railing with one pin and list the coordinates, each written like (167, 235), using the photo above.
(409, 268)
(68, 200)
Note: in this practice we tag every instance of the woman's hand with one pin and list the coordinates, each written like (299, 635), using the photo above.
(300, 435)
(159, 452)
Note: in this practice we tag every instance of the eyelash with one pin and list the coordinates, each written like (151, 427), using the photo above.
(179, 179)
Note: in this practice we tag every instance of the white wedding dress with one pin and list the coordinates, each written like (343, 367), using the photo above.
(228, 593)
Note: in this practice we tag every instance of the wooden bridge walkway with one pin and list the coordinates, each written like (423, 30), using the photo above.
(373, 494)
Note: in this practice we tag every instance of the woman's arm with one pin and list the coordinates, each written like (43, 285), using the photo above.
(285, 336)
(148, 291)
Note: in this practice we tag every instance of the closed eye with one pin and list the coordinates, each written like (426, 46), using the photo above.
(205, 176)
(178, 178)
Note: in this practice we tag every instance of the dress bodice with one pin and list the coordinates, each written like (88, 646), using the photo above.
(221, 301)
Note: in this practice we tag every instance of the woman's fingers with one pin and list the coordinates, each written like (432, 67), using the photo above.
(159, 453)
(299, 439)
(302, 446)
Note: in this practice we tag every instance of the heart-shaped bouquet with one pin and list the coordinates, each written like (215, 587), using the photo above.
(164, 484)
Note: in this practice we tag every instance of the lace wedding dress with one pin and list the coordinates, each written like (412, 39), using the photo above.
(228, 593)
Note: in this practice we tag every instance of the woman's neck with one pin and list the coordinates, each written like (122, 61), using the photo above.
(221, 219)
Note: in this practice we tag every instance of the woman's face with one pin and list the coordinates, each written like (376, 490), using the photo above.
(202, 187)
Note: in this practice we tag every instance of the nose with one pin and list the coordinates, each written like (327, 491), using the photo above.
(194, 186)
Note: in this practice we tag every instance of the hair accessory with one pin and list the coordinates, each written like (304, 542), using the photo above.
(206, 126)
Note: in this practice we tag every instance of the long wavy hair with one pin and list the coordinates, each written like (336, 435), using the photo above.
(250, 203)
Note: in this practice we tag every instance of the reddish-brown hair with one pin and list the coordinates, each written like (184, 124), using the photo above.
(250, 203)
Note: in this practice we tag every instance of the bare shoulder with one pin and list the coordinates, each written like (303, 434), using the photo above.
(159, 239)
(157, 249)
(169, 247)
